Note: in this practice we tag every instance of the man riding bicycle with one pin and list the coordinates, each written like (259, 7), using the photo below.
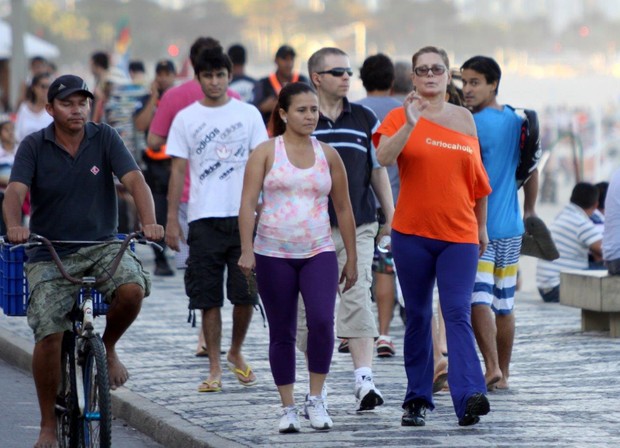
(69, 170)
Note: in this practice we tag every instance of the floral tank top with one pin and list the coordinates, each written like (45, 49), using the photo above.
(294, 222)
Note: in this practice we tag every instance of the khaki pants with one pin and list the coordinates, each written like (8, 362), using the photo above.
(354, 318)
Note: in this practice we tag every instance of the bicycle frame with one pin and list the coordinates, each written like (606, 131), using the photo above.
(85, 331)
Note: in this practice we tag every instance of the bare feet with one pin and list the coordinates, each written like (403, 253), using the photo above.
(117, 372)
(502, 384)
(47, 438)
(440, 377)
(492, 379)
(442, 365)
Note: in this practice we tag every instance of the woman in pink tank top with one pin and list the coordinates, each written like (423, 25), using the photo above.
(293, 251)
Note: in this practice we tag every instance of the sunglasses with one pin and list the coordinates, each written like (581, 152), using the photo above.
(435, 69)
(337, 72)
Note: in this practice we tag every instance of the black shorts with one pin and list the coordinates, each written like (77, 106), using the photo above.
(214, 244)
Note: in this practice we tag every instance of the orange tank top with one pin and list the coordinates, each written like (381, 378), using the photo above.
(441, 176)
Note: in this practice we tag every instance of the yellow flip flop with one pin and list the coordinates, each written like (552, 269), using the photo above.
(243, 376)
(210, 386)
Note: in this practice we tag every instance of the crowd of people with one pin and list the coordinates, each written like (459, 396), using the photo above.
(285, 190)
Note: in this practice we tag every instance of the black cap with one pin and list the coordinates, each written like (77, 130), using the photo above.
(66, 85)
(285, 51)
(165, 65)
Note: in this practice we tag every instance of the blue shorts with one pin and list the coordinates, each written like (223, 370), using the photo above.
(496, 279)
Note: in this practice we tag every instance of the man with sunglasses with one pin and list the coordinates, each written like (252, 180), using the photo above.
(499, 133)
(348, 128)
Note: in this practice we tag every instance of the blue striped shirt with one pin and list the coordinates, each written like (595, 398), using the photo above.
(573, 233)
(351, 136)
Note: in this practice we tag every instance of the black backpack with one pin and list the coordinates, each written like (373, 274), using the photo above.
(529, 145)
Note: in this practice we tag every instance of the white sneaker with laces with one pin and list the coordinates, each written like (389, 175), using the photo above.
(323, 396)
(368, 396)
(290, 420)
(317, 414)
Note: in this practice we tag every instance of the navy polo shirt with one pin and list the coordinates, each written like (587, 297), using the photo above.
(351, 135)
(72, 198)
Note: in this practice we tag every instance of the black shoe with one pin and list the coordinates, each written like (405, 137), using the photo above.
(414, 415)
(344, 346)
(162, 268)
(477, 405)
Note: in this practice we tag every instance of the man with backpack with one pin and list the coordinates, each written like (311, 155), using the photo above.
(502, 136)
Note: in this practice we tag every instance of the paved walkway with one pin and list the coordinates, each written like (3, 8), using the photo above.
(565, 386)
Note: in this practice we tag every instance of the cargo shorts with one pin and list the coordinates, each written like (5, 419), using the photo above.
(52, 297)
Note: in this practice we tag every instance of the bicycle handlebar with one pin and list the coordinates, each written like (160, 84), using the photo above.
(37, 240)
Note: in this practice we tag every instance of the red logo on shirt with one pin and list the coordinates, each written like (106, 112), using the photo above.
(94, 170)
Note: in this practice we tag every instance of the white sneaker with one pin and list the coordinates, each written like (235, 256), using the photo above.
(323, 396)
(317, 414)
(368, 396)
(290, 420)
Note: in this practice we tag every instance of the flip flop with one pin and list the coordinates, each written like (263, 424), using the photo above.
(440, 381)
(210, 386)
(202, 353)
(243, 376)
(537, 240)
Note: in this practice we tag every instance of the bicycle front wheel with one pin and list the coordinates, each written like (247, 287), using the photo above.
(96, 427)
(67, 411)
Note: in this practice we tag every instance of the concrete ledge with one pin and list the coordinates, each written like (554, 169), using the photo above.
(590, 290)
(16, 350)
(597, 294)
(155, 421)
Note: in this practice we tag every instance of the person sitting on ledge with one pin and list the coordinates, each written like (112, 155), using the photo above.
(575, 236)
(611, 235)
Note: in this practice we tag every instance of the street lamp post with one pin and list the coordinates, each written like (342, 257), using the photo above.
(18, 60)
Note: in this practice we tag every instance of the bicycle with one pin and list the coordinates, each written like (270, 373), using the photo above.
(83, 409)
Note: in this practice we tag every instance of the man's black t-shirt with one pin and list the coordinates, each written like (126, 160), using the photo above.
(72, 198)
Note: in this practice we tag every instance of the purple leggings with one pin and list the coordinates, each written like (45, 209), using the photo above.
(280, 280)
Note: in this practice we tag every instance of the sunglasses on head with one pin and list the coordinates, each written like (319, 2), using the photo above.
(337, 72)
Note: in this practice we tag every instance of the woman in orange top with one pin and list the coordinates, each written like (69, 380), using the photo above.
(438, 233)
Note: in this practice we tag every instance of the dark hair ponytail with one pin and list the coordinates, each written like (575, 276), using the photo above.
(276, 125)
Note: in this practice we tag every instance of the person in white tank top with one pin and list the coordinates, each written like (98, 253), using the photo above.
(31, 115)
(294, 252)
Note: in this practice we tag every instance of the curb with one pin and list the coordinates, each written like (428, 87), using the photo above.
(157, 422)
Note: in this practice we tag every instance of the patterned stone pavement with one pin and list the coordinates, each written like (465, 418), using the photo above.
(565, 385)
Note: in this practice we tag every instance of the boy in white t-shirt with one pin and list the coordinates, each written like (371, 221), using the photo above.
(214, 137)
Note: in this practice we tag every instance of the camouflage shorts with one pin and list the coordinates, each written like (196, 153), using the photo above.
(52, 297)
